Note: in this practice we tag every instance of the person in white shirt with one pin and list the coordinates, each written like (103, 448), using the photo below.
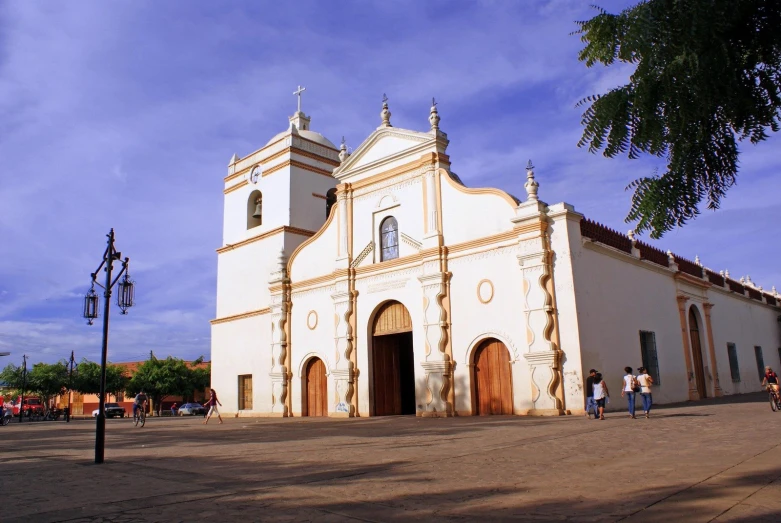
(645, 381)
(600, 394)
(628, 390)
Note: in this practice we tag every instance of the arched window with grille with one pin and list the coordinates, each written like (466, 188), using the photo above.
(389, 239)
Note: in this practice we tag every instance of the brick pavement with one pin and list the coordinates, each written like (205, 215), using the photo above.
(713, 461)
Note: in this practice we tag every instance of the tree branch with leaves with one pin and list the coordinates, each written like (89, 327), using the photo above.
(707, 75)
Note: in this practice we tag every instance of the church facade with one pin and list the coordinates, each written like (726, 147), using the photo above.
(375, 283)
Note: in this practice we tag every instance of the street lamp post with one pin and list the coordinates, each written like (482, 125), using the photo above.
(70, 387)
(24, 386)
(125, 301)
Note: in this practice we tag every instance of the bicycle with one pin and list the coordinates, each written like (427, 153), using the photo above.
(775, 400)
(139, 416)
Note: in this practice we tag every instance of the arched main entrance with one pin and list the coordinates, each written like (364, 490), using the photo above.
(316, 389)
(393, 366)
(492, 379)
(699, 370)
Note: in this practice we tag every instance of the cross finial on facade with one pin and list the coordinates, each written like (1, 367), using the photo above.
(433, 102)
(384, 98)
(298, 92)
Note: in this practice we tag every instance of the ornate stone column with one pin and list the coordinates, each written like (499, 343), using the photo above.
(543, 357)
(687, 353)
(279, 343)
(437, 366)
(343, 258)
(343, 370)
(712, 351)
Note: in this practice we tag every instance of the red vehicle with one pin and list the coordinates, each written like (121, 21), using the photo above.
(32, 405)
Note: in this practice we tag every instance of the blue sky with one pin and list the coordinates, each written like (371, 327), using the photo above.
(124, 114)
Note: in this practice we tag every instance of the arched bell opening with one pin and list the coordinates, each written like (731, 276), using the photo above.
(254, 209)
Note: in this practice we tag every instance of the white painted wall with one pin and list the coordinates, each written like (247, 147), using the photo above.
(745, 323)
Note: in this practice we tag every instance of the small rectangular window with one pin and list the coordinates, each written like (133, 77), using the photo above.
(648, 353)
(734, 369)
(245, 392)
(760, 362)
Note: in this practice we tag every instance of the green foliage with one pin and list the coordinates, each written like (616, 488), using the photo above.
(707, 74)
(48, 380)
(11, 375)
(86, 378)
(169, 377)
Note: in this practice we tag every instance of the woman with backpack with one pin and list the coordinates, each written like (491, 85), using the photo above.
(645, 381)
(629, 389)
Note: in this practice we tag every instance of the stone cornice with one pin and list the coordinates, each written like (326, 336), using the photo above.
(278, 230)
(241, 316)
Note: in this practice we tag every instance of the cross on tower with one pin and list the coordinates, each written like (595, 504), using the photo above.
(298, 93)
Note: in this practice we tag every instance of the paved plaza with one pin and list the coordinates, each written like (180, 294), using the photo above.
(711, 461)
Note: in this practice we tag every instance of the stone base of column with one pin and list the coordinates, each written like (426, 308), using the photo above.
(694, 395)
(435, 414)
(277, 415)
(343, 381)
(340, 415)
(718, 392)
(439, 376)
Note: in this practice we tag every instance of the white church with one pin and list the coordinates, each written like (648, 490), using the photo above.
(375, 283)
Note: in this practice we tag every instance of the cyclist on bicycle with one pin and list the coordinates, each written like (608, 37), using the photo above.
(140, 401)
(771, 380)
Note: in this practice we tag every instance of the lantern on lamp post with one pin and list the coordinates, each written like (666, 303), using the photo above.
(91, 305)
(126, 293)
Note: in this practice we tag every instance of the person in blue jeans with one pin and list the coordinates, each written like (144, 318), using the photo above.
(591, 404)
(628, 390)
(645, 381)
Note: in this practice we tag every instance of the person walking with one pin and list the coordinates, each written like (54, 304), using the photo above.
(600, 394)
(628, 390)
(645, 381)
(590, 403)
(213, 402)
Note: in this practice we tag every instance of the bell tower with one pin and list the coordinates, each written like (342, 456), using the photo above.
(275, 198)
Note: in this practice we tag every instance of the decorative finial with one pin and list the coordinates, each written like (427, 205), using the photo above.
(233, 159)
(726, 273)
(748, 280)
(670, 256)
(697, 260)
(631, 234)
(433, 116)
(742, 280)
(385, 114)
(775, 292)
(343, 154)
(531, 184)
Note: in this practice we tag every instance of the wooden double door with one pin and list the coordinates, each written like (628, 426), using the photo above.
(697, 359)
(493, 379)
(393, 374)
(316, 388)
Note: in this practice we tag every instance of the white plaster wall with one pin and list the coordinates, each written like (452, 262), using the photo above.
(616, 299)
(242, 275)
(242, 347)
(501, 318)
(306, 343)
(317, 258)
(467, 216)
(307, 211)
(745, 323)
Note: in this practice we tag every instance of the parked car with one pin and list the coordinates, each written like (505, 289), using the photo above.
(112, 411)
(32, 405)
(192, 409)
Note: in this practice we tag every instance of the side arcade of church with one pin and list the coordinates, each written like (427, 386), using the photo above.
(376, 283)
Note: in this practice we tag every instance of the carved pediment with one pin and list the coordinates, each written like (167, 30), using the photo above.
(388, 145)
